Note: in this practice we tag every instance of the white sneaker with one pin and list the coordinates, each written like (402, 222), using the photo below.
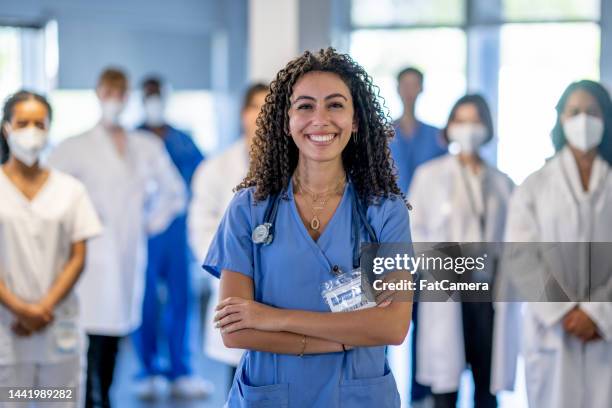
(151, 388)
(191, 387)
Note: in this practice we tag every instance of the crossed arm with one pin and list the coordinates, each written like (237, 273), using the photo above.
(247, 324)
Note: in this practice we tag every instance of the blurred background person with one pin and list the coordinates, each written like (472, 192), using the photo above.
(459, 198)
(46, 217)
(169, 262)
(137, 192)
(213, 186)
(414, 143)
(568, 346)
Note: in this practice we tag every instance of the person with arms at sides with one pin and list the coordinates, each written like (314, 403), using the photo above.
(567, 346)
(212, 187)
(320, 184)
(137, 192)
(169, 260)
(46, 218)
(414, 143)
(466, 202)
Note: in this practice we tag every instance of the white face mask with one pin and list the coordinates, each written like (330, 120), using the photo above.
(469, 136)
(583, 131)
(111, 110)
(154, 111)
(27, 143)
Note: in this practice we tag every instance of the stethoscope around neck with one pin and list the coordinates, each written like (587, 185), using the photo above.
(264, 233)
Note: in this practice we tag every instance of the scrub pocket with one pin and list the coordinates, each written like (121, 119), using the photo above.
(370, 392)
(266, 396)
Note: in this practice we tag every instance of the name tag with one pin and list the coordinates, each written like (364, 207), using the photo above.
(344, 293)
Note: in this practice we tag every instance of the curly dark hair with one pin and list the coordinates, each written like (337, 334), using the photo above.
(366, 158)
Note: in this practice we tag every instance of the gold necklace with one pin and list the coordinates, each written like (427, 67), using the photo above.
(319, 200)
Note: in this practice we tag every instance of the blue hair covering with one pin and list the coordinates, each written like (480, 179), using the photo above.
(603, 99)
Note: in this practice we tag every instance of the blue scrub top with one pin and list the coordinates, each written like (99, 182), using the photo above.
(288, 274)
(410, 151)
(182, 150)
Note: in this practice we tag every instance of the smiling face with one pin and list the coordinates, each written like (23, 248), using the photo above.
(321, 116)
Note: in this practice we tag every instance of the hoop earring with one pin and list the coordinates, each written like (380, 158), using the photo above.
(354, 136)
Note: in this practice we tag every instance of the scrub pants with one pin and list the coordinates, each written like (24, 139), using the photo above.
(418, 391)
(101, 359)
(478, 338)
(168, 262)
(65, 374)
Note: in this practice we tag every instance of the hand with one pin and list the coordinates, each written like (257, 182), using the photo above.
(235, 314)
(385, 297)
(19, 329)
(579, 324)
(34, 316)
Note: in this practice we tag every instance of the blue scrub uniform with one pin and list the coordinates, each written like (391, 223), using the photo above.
(169, 261)
(410, 151)
(288, 274)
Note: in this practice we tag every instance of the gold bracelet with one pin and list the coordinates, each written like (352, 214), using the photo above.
(303, 346)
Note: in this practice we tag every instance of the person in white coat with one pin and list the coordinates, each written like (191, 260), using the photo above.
(137, 192)
(46, 218)
(213, 185)
(459, 198)
(567, 346)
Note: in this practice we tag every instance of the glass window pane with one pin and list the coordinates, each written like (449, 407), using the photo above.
(383, 53)
(10, 61)
(76, 111)
(405, 12)
(551, 9)
(537, 62)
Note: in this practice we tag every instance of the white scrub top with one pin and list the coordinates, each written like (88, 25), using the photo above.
(135, 194)
(35, 242)
(212, 186)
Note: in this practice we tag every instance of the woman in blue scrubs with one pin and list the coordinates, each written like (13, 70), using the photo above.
(320, 155)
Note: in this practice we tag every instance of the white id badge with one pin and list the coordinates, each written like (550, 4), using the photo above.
(66, 336)
(345, 293)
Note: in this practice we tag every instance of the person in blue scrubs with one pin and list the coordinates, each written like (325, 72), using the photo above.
(321, 149)
(168, 262)
(415, 143)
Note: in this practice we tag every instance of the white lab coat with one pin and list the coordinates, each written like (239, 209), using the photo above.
(36, 238)
(135, 195)
(212, 187)
(444, 212)
(550, 206)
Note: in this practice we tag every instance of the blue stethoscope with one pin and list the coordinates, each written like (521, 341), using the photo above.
(264, 233)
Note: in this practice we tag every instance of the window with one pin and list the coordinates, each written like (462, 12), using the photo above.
(518, 58)
(404, 12)
(553, 10)
(537, 62)
(383, 53)
(10, 61)
(76, 111)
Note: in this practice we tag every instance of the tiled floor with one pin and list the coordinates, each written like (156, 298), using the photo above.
(123, 395)
(127, 368)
